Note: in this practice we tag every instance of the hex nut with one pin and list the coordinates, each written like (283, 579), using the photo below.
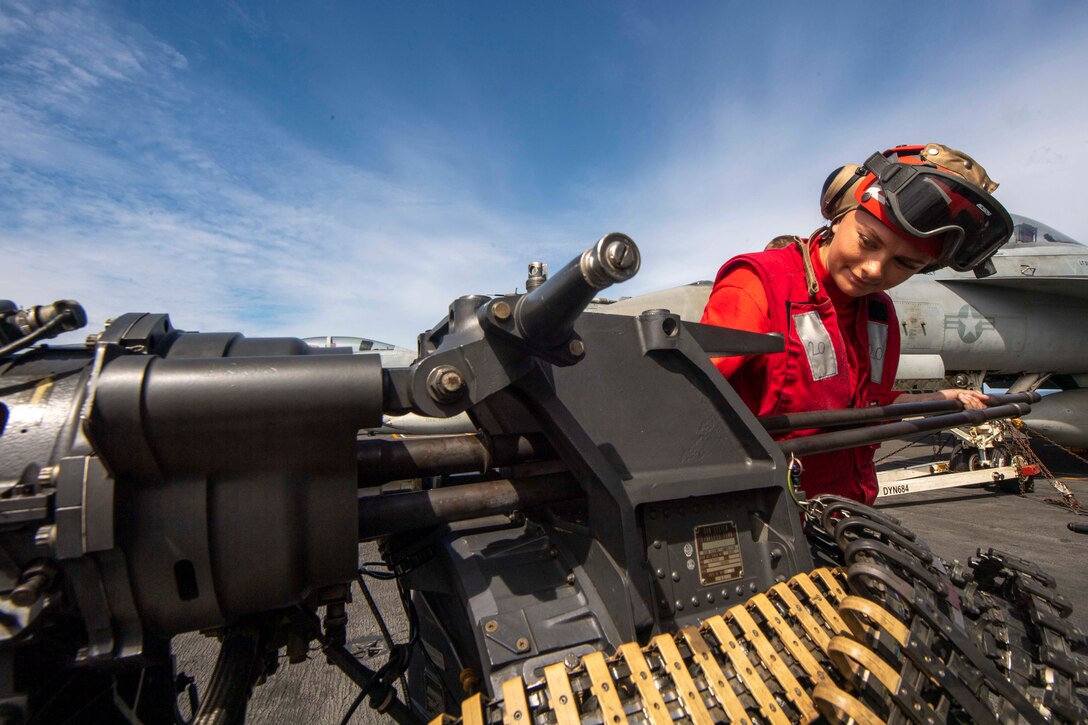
(445, 384)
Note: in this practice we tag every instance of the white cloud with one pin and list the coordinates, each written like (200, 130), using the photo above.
(126, 201)
(125, 185)
(758, 172)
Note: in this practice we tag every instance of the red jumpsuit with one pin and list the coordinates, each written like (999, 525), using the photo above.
(841, 352)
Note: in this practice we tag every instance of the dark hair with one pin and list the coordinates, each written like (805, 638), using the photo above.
(781, 241)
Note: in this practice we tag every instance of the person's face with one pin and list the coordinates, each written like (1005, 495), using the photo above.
(865, 256)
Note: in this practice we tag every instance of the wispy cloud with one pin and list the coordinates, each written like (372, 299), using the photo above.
(125, 189)
(130, 183)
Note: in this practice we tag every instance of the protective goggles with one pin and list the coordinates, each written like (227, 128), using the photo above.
(926, 202)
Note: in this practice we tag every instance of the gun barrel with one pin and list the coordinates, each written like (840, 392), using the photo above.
(547, 314)
(380, 460)
(392, 513)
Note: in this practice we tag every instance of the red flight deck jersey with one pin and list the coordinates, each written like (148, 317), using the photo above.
(841, 352)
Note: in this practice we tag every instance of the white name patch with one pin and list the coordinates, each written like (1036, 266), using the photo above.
(878, 346)
(821, 353)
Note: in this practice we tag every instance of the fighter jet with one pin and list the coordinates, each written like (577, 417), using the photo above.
(1022, 326)
(391, 355)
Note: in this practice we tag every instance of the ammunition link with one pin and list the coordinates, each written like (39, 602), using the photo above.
(893, 635)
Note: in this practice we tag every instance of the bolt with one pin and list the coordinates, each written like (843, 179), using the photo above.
(570, 578)
(445, 384)
(577, 348)
(46, 474)
(46, 536)
(522, 644)
(619, 254)
(501, 310)
(571, 660)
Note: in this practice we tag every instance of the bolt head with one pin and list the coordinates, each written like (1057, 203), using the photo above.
(577, 348)
(451, 381)
(620, 255)
(446, 384)
(501, 310)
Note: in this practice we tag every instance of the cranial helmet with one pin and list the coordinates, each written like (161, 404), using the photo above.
(937, 197)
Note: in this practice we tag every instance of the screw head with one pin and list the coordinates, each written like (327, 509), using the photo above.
(522, 644)
(491, 626)
(619, 253)
(577, 348)
(445, 384)
(501, 310)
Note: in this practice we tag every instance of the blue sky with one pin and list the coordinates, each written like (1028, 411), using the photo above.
(349, 168)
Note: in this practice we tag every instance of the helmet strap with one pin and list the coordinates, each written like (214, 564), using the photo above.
(805, 246)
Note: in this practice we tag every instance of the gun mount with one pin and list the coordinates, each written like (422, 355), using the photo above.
(621, 540)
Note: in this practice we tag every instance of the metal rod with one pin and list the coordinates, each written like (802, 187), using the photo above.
(380, 460)
(854, 437)
(391, 513)
(877, 414)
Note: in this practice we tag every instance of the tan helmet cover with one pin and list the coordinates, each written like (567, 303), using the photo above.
(837, 200)
(959, 163)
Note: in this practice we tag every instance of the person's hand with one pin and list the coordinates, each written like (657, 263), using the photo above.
(971, 399)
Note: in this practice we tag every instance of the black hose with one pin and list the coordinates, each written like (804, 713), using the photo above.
(853, 437)
(876, 414)
(232, 680)
(33, 337)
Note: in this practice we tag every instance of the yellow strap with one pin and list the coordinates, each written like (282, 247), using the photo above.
(804, 583)
(853, 606)
(745, 670)
(653, 707)
(773, 663)
(515, 706)
(834, 703)
(843, 651)
(472, 710)
(685, 686)
(605, 689)
(825, 575)
(560, 696)
(808, 623)
(776, 621)
(715, 678)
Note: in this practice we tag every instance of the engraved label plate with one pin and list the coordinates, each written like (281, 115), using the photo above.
(718, 550)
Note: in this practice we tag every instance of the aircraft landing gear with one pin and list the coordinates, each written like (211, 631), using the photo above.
(969, 458)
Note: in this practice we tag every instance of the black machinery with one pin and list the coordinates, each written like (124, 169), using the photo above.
(620, 541)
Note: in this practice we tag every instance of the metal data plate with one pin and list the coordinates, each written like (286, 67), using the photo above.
(717, 549)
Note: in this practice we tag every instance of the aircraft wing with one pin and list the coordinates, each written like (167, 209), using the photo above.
(1073, 286)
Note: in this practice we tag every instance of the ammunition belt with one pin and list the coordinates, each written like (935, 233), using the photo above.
(892, 635)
